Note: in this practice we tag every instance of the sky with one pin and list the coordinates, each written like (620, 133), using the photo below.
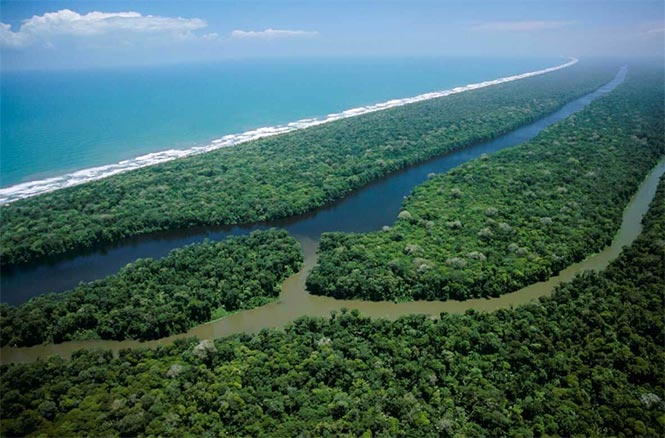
(93, 34)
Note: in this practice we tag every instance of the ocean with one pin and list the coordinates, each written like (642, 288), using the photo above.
(56, 122)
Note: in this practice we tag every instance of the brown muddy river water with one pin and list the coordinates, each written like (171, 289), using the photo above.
(294, 301)
(366, 209)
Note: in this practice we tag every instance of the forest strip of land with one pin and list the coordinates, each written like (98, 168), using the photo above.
(282, 175)
(586, 361)
(36, 187)
(152, 299)
(501, 222)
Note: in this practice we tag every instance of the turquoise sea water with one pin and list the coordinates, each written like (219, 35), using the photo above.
(57, 122)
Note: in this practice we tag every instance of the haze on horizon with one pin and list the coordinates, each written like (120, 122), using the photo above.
(91, 34)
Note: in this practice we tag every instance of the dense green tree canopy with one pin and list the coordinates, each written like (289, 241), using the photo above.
(501, 222)
(151, 299)
(586, 361)
(279, 176)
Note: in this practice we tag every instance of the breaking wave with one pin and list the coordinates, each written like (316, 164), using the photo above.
(32, 188)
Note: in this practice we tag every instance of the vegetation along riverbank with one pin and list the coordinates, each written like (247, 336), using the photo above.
(583, 362)
(504, 221)
(282, 175)
(151, 299)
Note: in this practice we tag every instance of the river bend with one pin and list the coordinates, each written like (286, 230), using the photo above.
(366, 209)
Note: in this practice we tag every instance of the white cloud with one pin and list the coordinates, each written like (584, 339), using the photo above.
(270, 34)
(521, 26)
(9, 38)
(66, 23)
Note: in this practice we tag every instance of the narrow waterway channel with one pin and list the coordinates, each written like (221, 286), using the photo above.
(366, 209)
(295, 301)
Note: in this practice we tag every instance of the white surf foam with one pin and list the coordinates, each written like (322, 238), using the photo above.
(32, 188)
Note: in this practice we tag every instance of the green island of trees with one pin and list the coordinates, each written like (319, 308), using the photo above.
(502, 222)
(279, 176)
(151, 299)
(586, 361)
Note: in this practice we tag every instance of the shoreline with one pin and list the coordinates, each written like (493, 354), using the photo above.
(26, 282)
(33, 188)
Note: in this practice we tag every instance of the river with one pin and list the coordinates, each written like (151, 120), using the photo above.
(363, 210)
(366, 209)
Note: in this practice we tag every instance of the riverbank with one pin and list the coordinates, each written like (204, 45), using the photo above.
(501, 222)
(152, 299)
(584, 362)
(33, 188)
(294, 300)
(365, 209)
(282, 175)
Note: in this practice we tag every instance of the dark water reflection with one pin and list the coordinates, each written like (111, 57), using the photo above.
(366, 209)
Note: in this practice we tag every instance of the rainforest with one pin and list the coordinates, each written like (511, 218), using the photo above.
(583, 358)
(584, 362)
(152, 299)
(511, 219)
(279, 176)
